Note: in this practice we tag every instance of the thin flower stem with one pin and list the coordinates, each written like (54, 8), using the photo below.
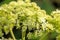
(12, 34)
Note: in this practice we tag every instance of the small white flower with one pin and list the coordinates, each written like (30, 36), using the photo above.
(43, 20)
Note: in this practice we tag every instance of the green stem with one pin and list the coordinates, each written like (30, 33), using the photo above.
(24, 28)
(12, 34)
(23, 35)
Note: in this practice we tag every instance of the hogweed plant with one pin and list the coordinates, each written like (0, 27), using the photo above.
(35, 23)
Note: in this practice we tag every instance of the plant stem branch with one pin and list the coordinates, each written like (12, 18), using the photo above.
(12, 34)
